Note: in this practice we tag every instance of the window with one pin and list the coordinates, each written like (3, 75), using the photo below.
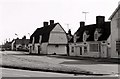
(96, 35)
(80, 50)
(94, 47)
(72, 49)
(85, 49)
(56, 45)
(118, 46)
(84, 36)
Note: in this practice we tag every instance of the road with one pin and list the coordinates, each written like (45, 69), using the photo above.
(95, 67)
(7, 72)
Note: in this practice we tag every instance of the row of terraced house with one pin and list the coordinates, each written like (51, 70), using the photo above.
(101, 39)
(96, 40)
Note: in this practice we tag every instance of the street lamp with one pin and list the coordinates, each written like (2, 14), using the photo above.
(29, 34)
(16, 35)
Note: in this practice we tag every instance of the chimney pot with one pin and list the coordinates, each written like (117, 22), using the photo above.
(100, 20)
(45, 24)
(82, 24)
(51, 22)
(69, 32)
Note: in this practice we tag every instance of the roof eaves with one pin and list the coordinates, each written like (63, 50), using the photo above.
(114, 12)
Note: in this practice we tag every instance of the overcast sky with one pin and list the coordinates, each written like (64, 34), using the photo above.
(24, 16)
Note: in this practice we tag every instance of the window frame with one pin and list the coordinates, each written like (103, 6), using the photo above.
(85, 49)
(72, 49)
(93, 46)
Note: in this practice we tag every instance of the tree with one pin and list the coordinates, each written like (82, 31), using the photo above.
(24, 37)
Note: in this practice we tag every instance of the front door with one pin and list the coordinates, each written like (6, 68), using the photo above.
(80, 50)
(103, 51)
(39, 50)
(30, 50)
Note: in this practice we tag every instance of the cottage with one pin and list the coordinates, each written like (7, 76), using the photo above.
(20, 44)
(91, 40)
(115, 33)
(49, 39)
(7, 45)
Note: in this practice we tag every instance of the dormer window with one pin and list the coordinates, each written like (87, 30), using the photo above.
(75, 38)
(85, 36)
(69, 37)
(40, 38)
(97, 34)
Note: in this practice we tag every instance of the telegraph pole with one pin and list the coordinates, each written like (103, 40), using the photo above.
(85, 14)
(67, 26)
(29, 35)
(16, 35)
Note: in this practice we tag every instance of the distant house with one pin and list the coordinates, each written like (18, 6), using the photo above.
(7, 45)
(20, 44)
(115, 33)
(49, 39)
(91, 40)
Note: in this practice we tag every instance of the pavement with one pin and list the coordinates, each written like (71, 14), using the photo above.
(96, 65)
(99, 60)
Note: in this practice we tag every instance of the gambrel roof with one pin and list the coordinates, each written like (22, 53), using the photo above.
(22, 41)
(44, 32)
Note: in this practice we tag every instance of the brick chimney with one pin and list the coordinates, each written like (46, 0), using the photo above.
(45, 24)
(100, 20)
(69, 32)
(51, 22)
(82, 24)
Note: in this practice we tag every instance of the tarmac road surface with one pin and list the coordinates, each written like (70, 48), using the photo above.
(7, 72)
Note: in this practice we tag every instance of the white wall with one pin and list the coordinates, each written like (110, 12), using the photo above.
(119, 24)
(60, 49)
(70, 49)
(58, 36)
(44, 48)
(89, 53)
(35, 51)
(104, 50)
(114, 35)
(12, 45)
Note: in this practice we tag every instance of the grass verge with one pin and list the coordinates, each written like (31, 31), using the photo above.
(15, 62)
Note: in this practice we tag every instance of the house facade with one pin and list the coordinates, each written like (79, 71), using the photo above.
(91, 40)
(7, 45)
(20, 44)
(49, 39)
(115, 33)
